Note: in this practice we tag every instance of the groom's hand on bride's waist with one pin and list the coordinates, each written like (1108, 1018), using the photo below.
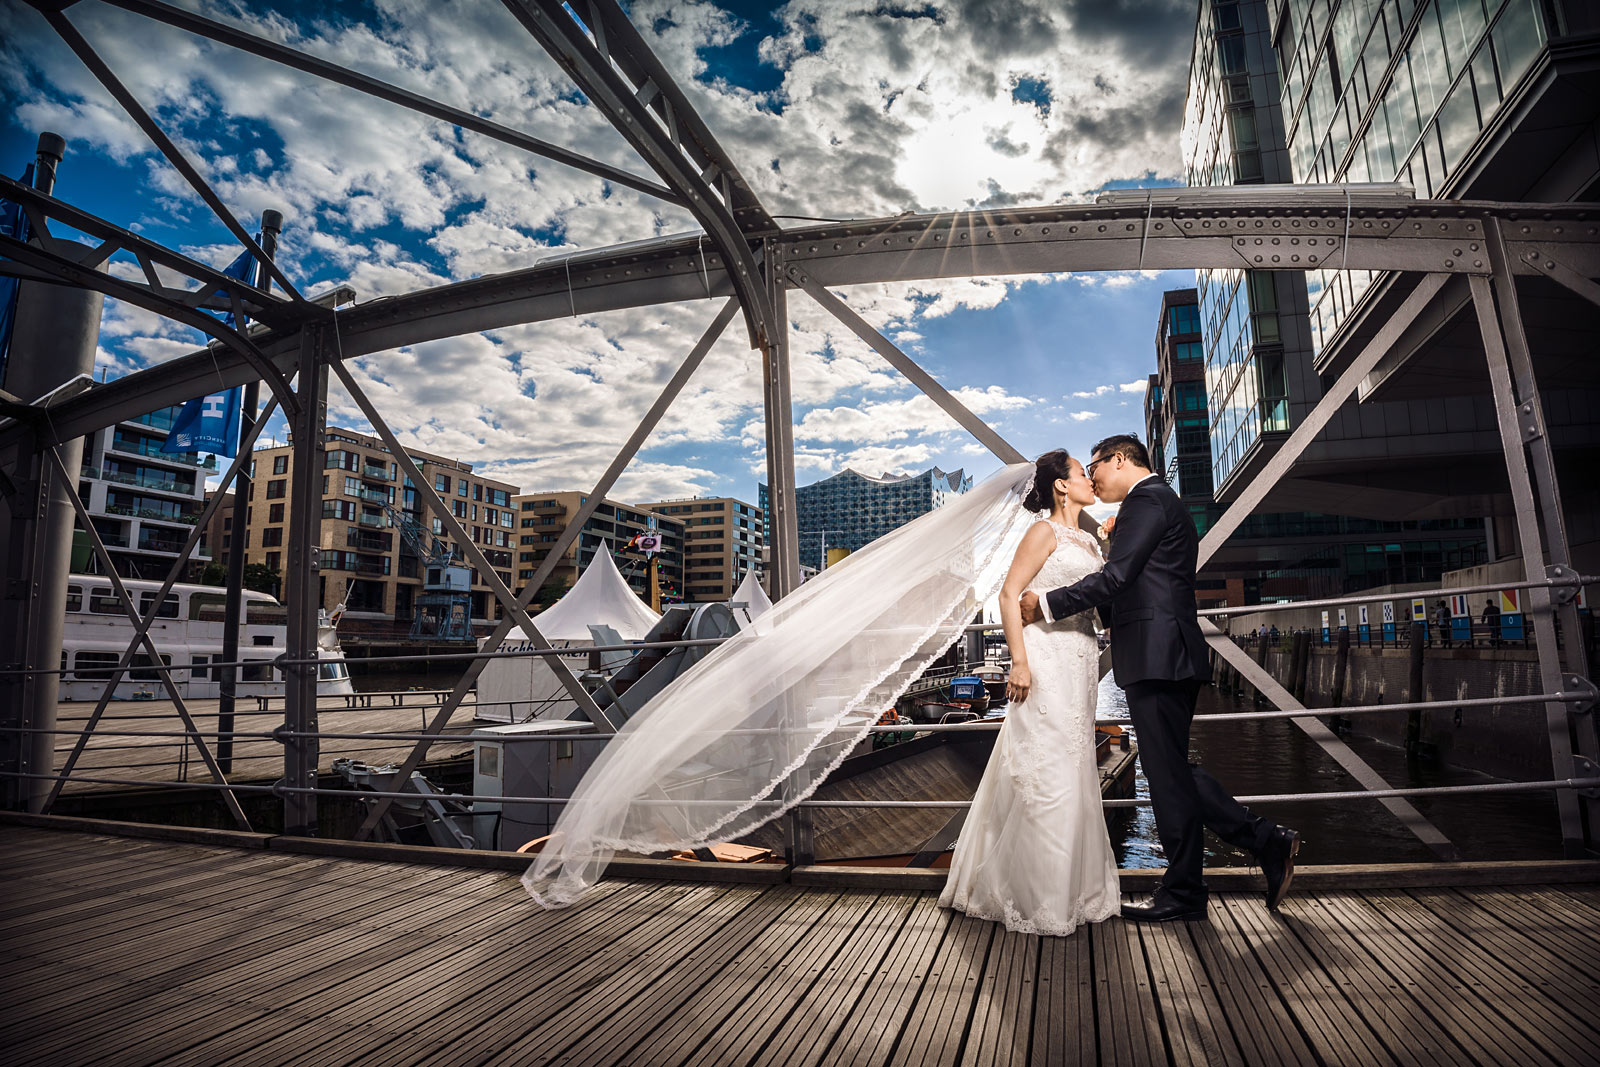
(1030, 608)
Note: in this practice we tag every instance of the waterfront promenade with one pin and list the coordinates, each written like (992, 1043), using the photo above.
(127, 951)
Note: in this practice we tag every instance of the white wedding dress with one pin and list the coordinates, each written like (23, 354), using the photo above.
(1034, 852)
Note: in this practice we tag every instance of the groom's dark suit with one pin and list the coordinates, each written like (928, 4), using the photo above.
(1145, 593)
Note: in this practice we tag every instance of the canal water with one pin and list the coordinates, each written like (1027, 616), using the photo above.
(1275, 756)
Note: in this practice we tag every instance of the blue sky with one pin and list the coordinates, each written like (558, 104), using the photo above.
(831, 109)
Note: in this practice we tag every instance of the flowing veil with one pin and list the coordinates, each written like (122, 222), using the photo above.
(756, 726)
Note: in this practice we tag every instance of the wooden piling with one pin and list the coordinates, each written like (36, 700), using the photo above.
(1414, 688)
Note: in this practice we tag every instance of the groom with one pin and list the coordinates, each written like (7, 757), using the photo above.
(1145, 594)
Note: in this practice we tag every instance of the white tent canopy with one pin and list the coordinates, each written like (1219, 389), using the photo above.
(752, 596)
(601, 597)
(518, 688)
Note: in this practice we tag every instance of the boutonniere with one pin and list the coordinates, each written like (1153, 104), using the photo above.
(1104, 533)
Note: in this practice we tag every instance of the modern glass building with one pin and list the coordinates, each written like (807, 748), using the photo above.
(850, 509)
(1253, 322)
(1460, 99)
(1179, 433)
(1399, 91)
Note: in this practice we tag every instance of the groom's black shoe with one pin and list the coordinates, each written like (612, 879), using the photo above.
(1163, 909)
(1277, 863)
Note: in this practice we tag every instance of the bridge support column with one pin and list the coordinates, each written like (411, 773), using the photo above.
(53, 340)
(1542, 531)
(783, 550)
(302, 589)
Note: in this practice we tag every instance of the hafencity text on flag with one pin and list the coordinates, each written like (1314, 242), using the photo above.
(211, 423)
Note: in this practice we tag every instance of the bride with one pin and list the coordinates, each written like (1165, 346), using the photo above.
(754, 728)
(1034, 852)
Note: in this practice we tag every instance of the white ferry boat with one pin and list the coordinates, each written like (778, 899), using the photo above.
(187, 634)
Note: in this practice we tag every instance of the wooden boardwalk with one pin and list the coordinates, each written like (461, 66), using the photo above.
(122, 951)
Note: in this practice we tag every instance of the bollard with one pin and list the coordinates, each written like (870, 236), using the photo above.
(1261, 661)
(1414, 690)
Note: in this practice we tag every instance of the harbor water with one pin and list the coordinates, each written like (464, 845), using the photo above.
(1275, 756)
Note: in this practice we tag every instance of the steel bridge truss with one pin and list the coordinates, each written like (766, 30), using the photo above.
(744, 263)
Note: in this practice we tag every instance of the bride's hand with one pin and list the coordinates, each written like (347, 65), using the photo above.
(1019, 683)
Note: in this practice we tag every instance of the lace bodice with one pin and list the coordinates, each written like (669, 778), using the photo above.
(1077, 555)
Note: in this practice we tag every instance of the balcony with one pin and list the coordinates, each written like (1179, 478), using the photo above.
(144, 446)
(376, 473)
(374, 496)
(372, 567)
(148, 481)
(152, 541)
(368, 542)
(149, 513)
(380, 522)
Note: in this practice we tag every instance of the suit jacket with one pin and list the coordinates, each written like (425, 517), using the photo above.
(1146, 590)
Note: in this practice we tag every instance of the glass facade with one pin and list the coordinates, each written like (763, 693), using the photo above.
(850, 510)
(1394, 90)
(1233, 134)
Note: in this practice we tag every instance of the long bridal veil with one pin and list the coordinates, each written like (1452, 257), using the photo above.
(755, 727)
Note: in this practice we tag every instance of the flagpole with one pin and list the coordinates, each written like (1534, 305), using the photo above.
(271, 224)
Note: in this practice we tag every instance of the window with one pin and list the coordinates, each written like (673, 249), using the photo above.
(169, 605)
(477, 492)
(103, 601)
(505, 519)
(441, 483)
(274, 561)
(352, 486)
(74, 598)
(276, 490)
(461, 487)
(275, 513)
(460, 510)
(94, 666)
(198, 671)
(256, 672)
(280, 464)
(272, 536)
(339, 509)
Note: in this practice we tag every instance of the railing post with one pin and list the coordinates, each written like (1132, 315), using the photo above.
(302, 588)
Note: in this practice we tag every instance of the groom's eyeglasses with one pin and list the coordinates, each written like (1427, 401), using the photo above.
(1088, 472)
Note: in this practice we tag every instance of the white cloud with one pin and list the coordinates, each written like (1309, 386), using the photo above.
(876, 113)
(1082, 416)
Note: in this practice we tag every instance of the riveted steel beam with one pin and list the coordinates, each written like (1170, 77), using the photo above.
(608, 59)
(912, 247)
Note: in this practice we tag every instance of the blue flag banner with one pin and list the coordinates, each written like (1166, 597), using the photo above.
(13, 223)
(241, 268)
(209, 424)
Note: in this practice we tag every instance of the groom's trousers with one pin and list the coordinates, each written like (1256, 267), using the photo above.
(1186, 799)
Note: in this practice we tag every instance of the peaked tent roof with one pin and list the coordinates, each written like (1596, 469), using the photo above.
(751, 593)
(600, 596)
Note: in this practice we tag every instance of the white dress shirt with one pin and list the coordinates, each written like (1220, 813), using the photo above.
(1044, 606)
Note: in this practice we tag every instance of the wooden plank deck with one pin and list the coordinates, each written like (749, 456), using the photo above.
(121, 951)
(172, 759)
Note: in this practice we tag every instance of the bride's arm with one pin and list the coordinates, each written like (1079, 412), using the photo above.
(1036, 546)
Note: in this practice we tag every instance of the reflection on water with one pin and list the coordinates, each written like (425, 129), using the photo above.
(1275, 756)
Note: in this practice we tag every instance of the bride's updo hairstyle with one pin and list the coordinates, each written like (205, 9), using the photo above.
(1046, 469)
